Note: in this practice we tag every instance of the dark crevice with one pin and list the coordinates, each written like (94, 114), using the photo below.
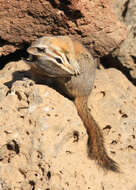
(112, 62)
(49, 175)
(13, 146)
(76, 136)
(4, 42)
(16, 56)
(32, 183)
(72, 14)
(134, 58)
(124, 12)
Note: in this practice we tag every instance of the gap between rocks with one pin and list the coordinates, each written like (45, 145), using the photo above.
(107, 61)
(16, 56)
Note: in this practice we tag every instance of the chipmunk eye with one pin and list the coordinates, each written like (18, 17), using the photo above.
(59, 60)
(41, 49)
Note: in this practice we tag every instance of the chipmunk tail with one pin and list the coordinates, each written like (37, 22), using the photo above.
(96, 147)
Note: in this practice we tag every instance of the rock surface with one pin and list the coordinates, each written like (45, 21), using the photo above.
(124, 58)
(93, 22)
(43, 140)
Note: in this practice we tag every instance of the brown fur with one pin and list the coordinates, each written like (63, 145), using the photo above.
(95, 141)
(78, 87)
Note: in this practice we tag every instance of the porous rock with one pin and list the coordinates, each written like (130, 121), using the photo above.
(43, 140)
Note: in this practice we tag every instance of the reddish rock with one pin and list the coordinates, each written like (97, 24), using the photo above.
(93, 22)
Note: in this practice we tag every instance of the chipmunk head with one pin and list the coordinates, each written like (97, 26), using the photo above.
(55, 55)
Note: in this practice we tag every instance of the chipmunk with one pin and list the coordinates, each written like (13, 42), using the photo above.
(73, 67)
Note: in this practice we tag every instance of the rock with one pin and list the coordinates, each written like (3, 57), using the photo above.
(92, 22)
(124, 58)
(43, 140)
(120, 8)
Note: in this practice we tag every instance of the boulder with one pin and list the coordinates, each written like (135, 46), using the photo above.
(43, 143)
(92, 22)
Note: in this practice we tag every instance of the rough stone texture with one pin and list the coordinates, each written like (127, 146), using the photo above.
(120, 8)
(43, 140)
(125, 56)
(93, 22)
